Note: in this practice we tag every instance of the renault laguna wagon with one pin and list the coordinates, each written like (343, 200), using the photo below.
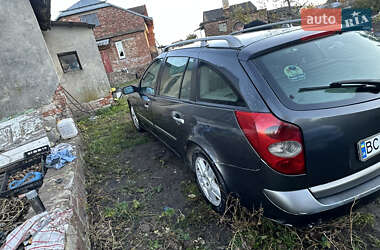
(285, 119)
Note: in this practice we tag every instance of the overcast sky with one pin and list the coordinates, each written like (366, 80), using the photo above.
(173, 19)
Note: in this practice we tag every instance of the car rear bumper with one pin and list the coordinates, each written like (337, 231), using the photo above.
(327, 196)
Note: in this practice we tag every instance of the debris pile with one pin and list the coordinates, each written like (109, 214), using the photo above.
(11, 214)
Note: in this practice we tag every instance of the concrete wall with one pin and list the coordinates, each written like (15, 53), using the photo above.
(91, 82)
(70, 193)
(27, 76)
(21, 134)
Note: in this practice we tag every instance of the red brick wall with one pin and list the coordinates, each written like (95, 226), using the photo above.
(58, 108)
(151, 37)
(112, 21)
(136, 49)
(62, 108)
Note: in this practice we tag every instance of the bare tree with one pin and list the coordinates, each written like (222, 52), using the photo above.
(240, 15)
(290, 4)
(370, 4)
(191, 36)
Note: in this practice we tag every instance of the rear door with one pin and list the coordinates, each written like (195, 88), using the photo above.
(169, 107)
(147, 87)
(339, 124)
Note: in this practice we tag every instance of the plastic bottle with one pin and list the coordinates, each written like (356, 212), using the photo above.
(67, 128)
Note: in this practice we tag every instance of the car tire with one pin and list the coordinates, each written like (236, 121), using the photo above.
(209, 180)
(135, 119)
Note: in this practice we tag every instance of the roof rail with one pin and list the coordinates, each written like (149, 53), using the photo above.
(269, 25)
(232, 41)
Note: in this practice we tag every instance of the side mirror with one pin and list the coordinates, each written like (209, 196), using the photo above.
(129, 90)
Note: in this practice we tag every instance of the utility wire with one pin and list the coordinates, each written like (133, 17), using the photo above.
(77, 104)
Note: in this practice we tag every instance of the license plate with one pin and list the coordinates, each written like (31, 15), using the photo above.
(369, 147)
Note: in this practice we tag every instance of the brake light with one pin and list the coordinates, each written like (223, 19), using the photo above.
(278, 143)
(318, 35)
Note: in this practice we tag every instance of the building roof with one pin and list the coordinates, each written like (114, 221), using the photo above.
(88, 5)
(72, 24)
(218, 14)
(140, 9)
(84, 3)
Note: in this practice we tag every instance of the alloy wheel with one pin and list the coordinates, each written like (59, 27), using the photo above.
(134, 118)
(207, 181)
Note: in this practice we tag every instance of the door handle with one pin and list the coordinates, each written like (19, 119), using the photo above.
(177, 117)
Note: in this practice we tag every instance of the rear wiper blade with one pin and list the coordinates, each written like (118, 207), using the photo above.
(345, 84)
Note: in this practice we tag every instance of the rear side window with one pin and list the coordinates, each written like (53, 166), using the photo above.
(148, 82)
(172, 76)
(215, 88)
(295, 73)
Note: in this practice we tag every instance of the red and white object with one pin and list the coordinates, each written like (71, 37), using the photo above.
(47, 230)
(277, 142)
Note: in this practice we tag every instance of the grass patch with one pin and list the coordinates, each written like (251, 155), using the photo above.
(106, 137)
(110, 132)
(253, 231)
(121, 215)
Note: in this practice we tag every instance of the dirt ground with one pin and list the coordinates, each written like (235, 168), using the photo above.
(141, 196)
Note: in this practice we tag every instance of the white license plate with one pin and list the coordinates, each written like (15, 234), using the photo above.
(369, 147)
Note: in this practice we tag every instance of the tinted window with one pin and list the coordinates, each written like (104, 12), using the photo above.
(186, 83)
(148, 81)
(172, 76)
(318, 63)
(213, 87)
(69, 62)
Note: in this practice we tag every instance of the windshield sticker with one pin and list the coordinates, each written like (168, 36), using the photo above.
(294, 73)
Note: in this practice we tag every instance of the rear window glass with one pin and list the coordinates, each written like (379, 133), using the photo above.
(344, 57)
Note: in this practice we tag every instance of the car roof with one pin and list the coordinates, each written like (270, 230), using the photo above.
(252, 37)
(253, 43)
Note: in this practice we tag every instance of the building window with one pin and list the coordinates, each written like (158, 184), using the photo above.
(69, 62)
(223, 27)
(120, 49)
(90, 19)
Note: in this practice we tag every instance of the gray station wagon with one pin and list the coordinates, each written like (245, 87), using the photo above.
(285, 119)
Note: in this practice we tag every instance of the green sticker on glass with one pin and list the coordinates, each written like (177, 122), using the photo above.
(294, 73)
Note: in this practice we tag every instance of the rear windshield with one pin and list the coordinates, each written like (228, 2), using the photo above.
(317, 63)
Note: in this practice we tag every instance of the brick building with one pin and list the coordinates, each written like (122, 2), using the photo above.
(125, 37)
(283, 13)
(225, 20)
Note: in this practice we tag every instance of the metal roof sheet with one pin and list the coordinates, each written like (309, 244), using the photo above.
(69, 12)
(88, 5)
(84, 3)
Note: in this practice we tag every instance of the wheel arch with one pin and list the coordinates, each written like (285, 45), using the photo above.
(202, 144)
(210, 153)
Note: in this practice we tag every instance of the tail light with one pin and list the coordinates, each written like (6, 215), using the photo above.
(278, 143)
